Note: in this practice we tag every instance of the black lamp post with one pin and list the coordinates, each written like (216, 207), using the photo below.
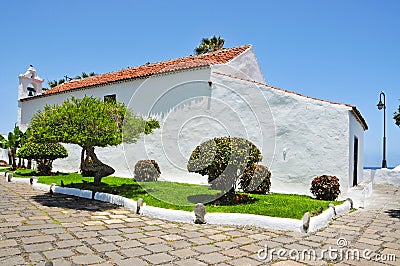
(382, 105)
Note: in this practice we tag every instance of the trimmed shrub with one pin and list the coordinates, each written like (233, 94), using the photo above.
(147, 171)
(256, 179)
(223, 159)
(325, 187)
(44, 154)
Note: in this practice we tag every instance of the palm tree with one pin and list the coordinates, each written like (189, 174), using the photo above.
(211, 44)
(85, 75)
(54, 83)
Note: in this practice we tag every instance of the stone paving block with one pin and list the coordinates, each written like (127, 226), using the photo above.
(171, 238)
(190, 262)
(38, 239)
(112, 238)
(68, 243)
(200, 240)
(37, 247)
(128, 244)
(134, 252)
(35, 257)
(192, 234)
(110, 232)
(179, 244)
(58, 253)
(6, 252)
(99, 217)
(156, 248)
(154, 233)
(86, 234)
(244, 262)
(13, 261)
(219, 237)
(159, 258)
(151, 240)
(131, 262)
(87, 259)
(242, 240)
(105, 247)
(118, 216)
(283, 240)
(10, 224)
(206, 248)
(83, 250)
(113, 221)
(64, 236)
(114, 255)
(373, 242)
(225, 244)
(212, 258)
(91, 241)
(8, 243)
(235, 253)
(93, 223)
(95, 228)
(183, 253)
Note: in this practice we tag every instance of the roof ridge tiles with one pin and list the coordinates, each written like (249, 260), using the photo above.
(217, 57)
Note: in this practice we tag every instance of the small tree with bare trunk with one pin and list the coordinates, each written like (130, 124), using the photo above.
(90, 122)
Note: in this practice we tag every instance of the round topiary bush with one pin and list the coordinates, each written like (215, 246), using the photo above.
(256, 179)
(325, 187)
(147, 171)
(223, 160)
(44, 154)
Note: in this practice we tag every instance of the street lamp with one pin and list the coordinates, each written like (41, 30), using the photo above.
(382, 105)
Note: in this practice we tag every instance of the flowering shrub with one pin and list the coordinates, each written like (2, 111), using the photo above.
(256, 179)
(147, 171)
(3, 163)
(325, 187)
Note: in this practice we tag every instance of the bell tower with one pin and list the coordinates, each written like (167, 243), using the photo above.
(30, 84)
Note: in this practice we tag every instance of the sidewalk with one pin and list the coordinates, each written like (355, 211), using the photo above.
(36, 227)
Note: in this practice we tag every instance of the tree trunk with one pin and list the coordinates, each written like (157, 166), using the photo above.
(92, 166)
(29, 165)
(10, 158)
(14, 159)
(44, 167)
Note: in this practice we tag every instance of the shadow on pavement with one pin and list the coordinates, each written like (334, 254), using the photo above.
(71, 202)
(393, 213)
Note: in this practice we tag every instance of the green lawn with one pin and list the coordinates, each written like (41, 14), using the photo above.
(181, 196)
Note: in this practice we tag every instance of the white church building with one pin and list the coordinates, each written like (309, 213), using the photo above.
(221, 93)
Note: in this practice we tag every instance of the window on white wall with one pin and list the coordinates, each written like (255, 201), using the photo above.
(110, 98)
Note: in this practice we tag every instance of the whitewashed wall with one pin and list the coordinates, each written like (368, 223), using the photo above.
(306, 138)
(244, 66)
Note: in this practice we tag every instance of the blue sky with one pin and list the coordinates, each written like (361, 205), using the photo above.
(343, 51)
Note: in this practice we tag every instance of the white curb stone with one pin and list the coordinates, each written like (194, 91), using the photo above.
(240, 219)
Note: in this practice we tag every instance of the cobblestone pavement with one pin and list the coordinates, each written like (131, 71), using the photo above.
(36, 227)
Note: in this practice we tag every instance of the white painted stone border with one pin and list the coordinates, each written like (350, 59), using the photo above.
(238, 219)
(322, 220)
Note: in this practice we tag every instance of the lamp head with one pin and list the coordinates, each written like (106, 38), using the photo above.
(380, 105)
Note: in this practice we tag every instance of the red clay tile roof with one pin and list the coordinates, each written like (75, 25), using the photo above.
(219, 57)
(354, 111)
